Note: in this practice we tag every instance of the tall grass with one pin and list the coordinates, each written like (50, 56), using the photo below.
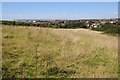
(54, 53)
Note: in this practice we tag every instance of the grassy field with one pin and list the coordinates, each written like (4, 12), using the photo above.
(32, 52)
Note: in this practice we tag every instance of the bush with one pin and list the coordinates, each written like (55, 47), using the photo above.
(74, 25)
(108, 28)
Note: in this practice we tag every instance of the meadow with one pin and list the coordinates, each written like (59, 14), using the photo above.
(36, 52)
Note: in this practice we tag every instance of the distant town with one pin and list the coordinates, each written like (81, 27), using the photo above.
(89, 23)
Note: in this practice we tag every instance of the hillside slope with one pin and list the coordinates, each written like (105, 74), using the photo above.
(45, 52)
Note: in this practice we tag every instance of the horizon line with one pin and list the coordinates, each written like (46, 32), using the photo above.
(60, 19)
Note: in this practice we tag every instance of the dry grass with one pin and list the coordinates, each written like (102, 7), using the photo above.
(46, 52)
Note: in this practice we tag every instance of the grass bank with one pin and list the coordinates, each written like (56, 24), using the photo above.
(33, 52)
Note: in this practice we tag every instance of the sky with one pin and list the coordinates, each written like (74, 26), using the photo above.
(60, 0)
(59, 10)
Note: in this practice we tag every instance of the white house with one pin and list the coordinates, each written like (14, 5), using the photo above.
(34, 21)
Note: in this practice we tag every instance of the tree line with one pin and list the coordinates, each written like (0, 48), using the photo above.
(52, 25)
(107, 27)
